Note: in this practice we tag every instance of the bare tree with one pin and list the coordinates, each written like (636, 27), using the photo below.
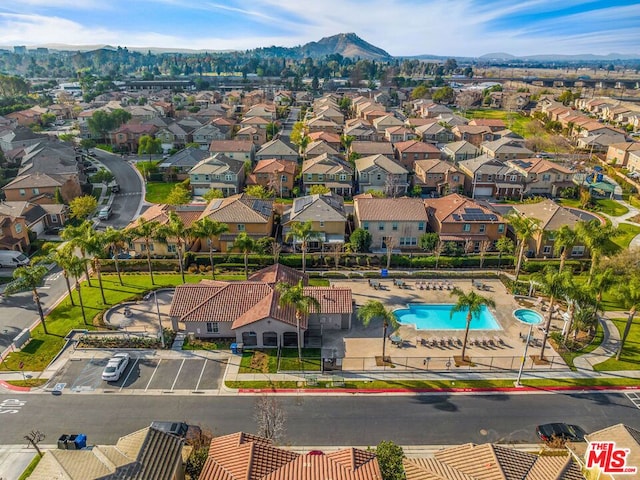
(438, 251)
(391, 185)
(336, 250)
(469, 246)
(485, 246)
(389, 243)
(270, 418)
(34, 437)
(276, 248)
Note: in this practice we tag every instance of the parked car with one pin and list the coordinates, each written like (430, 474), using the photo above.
(13, 259)
(115, 367)
(91, 169)
(104, 213)
(562, 431)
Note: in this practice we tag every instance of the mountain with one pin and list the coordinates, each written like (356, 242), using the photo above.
(346, 44)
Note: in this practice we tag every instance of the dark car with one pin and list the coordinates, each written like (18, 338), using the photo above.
(562, 431)
(91, 169)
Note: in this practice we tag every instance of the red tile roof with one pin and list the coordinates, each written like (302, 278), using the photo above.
(414, 146)
(445, 208)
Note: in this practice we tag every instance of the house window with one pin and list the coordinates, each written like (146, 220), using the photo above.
(501, 228)
(365, 225)
(546, 250)
(321, 224)
(489, 178)
(421, 226)
(513, 178)
(455, 178)
(171, 248)
(241, 227)
(53, 218)
(466, 227)
(196, 178)
(18, 228)
(415, 156)
(483, 227)
(394, 226)
(36, 191)
(309, 176)
(379, 177)
(22, 192)
(228, 178)
(381, 226)
(577, 251)
(206, 178)
(283, 178)
(320, 177)
(546, 177)
(212, 327)
(429, 177)
(343, 177)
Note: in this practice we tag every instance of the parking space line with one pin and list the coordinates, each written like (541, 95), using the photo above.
(201, 373)
(152, 375)
(127, 377)
(177, 374)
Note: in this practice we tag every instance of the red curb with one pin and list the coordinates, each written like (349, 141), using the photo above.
(13, 387)
(432, 390)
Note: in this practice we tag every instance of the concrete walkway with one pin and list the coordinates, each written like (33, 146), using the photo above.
(606, 350)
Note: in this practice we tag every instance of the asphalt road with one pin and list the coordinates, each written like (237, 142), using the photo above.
(317, 420)
(126, 202)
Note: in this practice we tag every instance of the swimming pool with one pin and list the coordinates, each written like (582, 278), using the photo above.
(528, 316)
(426, 316)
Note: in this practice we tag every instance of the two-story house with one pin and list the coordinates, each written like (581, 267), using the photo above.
(505, 149)
(465, 222)
(380, 173)
(274, 174)
(206, 134)
(217, 172)
(407, 153)
(434, 133)
(399, 134)
(320, 147)
(255, 135)
(459, 151)
(126, 137)
(331, 139)
(542, 177)
(474, 135)
(14, 234)
(386, 121)
(332, 172)
(242, 150)
(618, 153)
(327, 215)
(361, 132)
(365, 149)
(397, 223)
(277, 149)
(178, 165)
(486, 177)
(438, 176)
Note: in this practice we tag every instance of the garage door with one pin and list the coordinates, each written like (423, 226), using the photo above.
(200, 191)
(484, 191)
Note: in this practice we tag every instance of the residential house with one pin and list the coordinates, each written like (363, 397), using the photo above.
(274, 174)
(361, 132)
(386, 121)
(474, 135)
(618, 153)
(255, 135)
(331, 112)
(11, 139)
(406, 153)
(225, 125)
(150, 453)
(429, 109)
(322, 124)
(178, 165)
(633, 163)
(41, 187)
(14, 234)
(434, 133)
(465, 222)
(506, 148)
(332, 139)
(459, 151)
(142, 112)
(257, 122)
(542, 177)
(327, 216)
(600, 142)
(174, 136)
(364, 149)
(38, 218)
(494, 124)
(320, 147)
(277, 149)
(490, 461)
(265, 111)
(380, 173)
(242, 214)
(332, 172)
(237, 149)
(206, 134)
(28, 117)
(551, 216)
(250, 312)
(126, 137)
(486, 177)
(392, 222)
(261, 460)
(438, 176)
(217, 172)
(399, 134)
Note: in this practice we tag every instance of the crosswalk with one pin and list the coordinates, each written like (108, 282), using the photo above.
(634, 397)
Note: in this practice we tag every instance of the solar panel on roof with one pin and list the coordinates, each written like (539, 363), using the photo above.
(215, 204)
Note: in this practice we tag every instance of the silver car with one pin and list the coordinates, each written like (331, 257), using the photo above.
(116, 367)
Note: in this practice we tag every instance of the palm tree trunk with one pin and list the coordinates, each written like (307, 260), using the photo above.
(592, 269)
(66, 279)
(98, 271)
(304, 257)
(563, 259)
(246, 264)
(520, 255)
(499, 260)
(298, 333)
(84, 316)
(180, 262)
(149, 262)
(627, 327)
(36, 298)
(572, 310)
(384, 339)
(86, 268)
(115, 261)
(466, 336)
(547, 327)
(213, 267)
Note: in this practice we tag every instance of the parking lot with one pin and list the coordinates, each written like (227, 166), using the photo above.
(145, 373)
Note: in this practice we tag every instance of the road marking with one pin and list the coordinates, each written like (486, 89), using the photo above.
(152, 375)
(201, 373)
(11, 406)
(127, 377)
(634, 397)
(177, 374)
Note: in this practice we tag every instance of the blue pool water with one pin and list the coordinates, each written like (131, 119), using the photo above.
(530, 317)
(438, 317)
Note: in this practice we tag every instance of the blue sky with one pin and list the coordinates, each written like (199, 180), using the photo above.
(402, 27)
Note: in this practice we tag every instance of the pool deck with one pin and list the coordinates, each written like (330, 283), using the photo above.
(501, 348)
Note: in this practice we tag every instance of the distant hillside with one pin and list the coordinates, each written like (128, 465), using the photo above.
(559, 58)
(346, 44)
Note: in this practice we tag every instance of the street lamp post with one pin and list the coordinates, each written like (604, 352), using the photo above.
(155, 296)
(524, 356)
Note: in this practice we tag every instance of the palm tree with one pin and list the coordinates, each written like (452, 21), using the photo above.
(146, 230)
(114, 242)
(246, 245)
(555, 285)
(174, 229)
(629, 293)
(29, 278)
(63, 258)
(77, 236)
(208, 229)
(303, 232)
(525, 228)
(294, 296)
(374, 309)
(472, 303)
(503, 245)
(76, 268)
(596, 238)
(602, 281)
(95, 246)
(586, 318)
(564, 239)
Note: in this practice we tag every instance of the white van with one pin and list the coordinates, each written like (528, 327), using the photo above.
(12, 259)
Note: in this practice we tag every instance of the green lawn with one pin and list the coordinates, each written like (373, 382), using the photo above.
(311, 360)
(206, 344)
(569, 356)
(37, 354)
(570, 202)
(611, 207)
(630, 358)
(515, 121)
(266, 360)
(628, 232)
(32, 466)
(157, 192)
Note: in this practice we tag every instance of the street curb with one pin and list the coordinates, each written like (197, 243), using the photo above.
(8, 386)
(316, 391)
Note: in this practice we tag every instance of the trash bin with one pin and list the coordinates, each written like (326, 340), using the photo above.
(81, 441)
(234, 348)
(71, 442)
(62, 441)
(240, 347)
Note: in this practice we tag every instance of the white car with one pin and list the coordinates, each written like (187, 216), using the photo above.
(116, 367)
